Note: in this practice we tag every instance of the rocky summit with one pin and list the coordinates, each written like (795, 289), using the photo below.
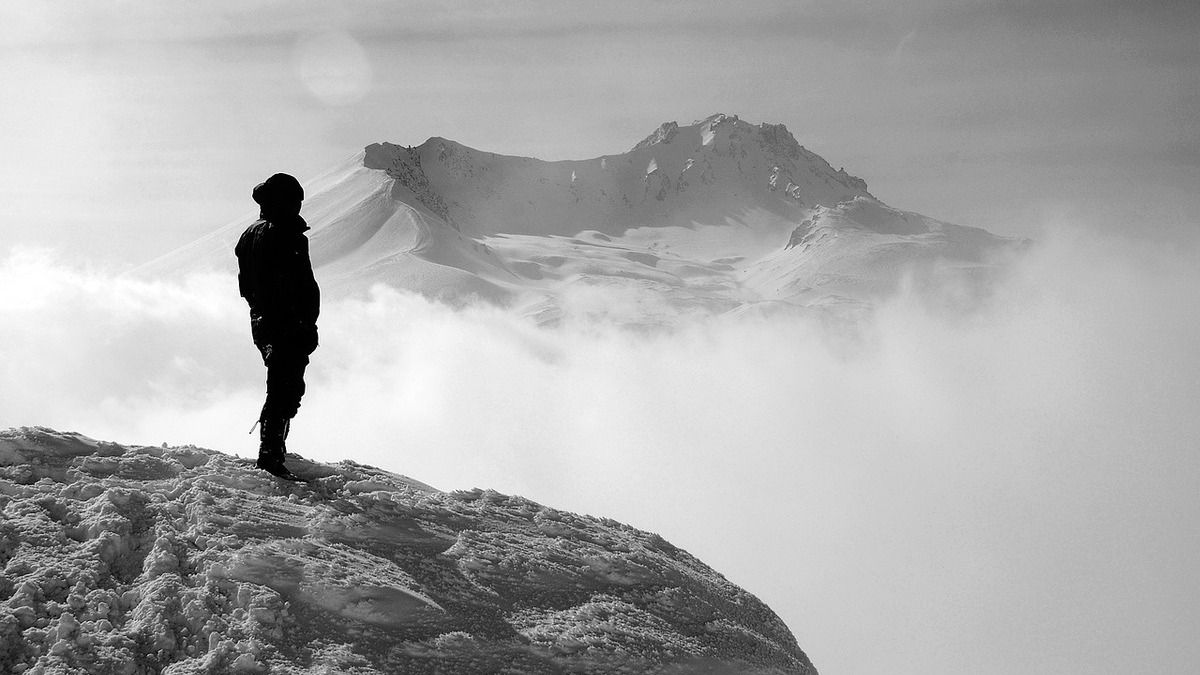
(129, 560)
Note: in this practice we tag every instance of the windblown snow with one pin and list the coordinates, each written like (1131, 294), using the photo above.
(181, 560)
(717, 216)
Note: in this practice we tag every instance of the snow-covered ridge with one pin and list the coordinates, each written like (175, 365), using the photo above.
(677, 175)
(179, 560)
(404, 166)
(709, 217)
(663, 134)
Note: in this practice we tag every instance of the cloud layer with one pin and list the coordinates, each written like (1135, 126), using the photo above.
(1009, 489)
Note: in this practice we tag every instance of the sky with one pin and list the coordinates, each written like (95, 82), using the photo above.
(134, 127)
(1008, 490)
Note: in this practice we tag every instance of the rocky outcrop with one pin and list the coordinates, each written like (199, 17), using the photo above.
(180, 560)
(664, 134)
(404, 165)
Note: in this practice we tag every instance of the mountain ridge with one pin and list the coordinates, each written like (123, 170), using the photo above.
(699, 214)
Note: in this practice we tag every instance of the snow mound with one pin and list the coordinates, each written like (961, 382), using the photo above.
(182, 560)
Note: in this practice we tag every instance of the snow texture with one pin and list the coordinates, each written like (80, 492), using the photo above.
(175, 560)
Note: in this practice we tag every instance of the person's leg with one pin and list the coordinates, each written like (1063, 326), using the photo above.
(285, 387)
(285, 383)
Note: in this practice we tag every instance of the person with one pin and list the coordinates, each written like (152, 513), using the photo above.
(275, 277)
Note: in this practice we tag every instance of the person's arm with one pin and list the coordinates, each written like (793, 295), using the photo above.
(243, 251)
(308, 294)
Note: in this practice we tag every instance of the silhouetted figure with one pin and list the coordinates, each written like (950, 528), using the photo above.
(275, 277)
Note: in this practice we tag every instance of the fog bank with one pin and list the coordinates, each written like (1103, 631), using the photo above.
(1007, 489)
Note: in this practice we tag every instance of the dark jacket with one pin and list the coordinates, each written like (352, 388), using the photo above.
(275, 277)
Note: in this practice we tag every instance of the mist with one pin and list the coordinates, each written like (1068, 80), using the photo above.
(1006, 488)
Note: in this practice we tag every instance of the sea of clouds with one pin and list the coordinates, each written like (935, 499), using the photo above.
(1009, 488)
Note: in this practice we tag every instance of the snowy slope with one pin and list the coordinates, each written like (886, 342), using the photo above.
(863, 248)
(367, 227)
(715, 216)
(184, 560)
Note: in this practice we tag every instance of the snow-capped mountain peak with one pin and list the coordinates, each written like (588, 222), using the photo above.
(720, 213)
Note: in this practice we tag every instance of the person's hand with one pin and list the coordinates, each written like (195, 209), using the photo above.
(262, 335)
(306, 337)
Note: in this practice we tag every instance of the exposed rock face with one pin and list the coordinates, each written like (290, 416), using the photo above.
(404, 165)
(184, 560)
(663, 134)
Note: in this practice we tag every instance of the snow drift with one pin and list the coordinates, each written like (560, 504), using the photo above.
(184, 560)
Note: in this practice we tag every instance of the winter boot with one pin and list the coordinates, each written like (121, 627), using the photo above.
(271, 448)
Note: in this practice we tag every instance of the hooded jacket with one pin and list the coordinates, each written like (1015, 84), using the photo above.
(275, 277)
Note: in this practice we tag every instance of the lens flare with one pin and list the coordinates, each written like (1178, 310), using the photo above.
(333, 67)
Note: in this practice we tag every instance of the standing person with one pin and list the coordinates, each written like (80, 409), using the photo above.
(275, 277)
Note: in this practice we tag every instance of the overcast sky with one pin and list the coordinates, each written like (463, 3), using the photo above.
(1013, 491)
(131, 128)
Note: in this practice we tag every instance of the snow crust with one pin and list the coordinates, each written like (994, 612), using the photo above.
(181, 560)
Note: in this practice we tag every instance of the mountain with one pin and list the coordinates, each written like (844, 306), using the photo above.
(717, 216)
(182, 560)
